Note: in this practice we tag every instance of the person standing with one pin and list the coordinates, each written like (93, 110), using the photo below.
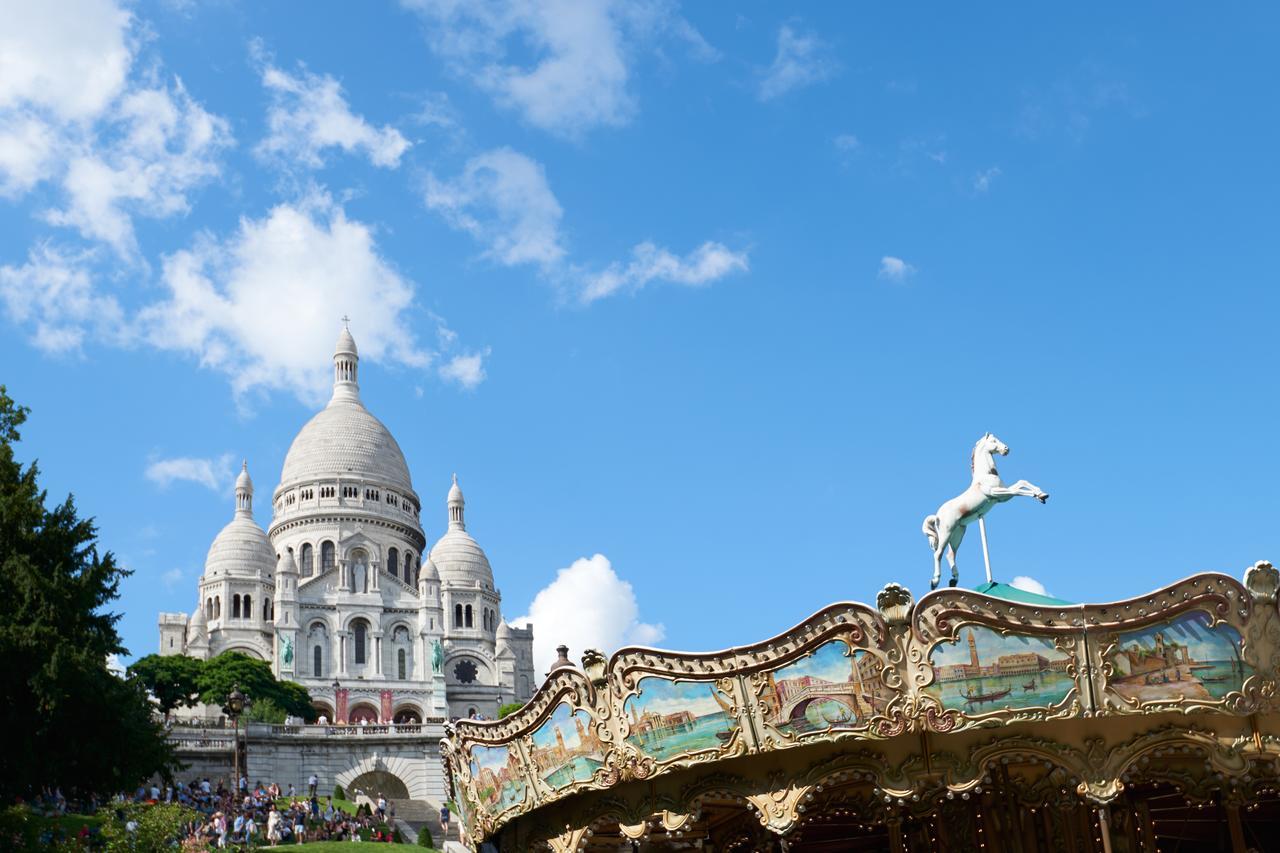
(444, 820)
(273, 825)
(312, 783)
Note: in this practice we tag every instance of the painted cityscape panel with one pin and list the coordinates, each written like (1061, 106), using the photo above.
(830, 688)
(496, 771)
(668, 718)
(566, 748)
(984, 670)
(1185, 658)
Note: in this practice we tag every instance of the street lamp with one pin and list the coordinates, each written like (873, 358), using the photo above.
(235, 707)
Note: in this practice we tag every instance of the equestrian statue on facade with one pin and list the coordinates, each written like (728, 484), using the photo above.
(947, 527)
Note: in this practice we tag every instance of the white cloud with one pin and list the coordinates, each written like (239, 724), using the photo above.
(466, 369)
(70, 113)
(263, 304)
(172, 578)
(70, 58)
(1028, 584)
(702, 266)
(159, 145)
(309, 114)
(847, 142)
(895, 269)
(502, 198)
(53, 292)
(801, 60)
(213, 474)
(587, 606)
(563, 65)
(982, 180)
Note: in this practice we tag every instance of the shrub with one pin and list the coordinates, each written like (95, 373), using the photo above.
(509, 708)
(338, 793)
(424, 838)
(396, 837)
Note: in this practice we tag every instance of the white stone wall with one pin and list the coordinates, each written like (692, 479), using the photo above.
(341, 759)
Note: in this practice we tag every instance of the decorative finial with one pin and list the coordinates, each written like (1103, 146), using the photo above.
(455, 479)
(244, 464)
(346, 321)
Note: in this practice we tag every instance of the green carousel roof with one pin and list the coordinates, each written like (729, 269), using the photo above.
(1012, 593)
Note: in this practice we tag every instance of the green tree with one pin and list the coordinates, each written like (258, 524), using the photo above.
(80, 726)
(255, 680)
(509, 708)
(172, 679)
(154, 828)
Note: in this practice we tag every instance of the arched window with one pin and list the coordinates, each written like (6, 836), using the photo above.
(308, 561)
(393, 562)
(217, 607)
(208, 609)
(360, 638)
(317, 659)
(247, 609)
(267, 615)
(468, 614)
(327, 556)
(457, 615)
(400, 664)
(235, 607)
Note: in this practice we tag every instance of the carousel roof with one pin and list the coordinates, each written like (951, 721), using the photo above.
(884, 715)
(995, 589)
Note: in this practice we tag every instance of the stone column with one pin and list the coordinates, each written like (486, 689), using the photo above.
(377, 651)
(342, 652)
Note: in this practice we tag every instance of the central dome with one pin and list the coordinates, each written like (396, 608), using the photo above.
(345, 440)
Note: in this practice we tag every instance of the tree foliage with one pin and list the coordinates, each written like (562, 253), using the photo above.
(509, 708)
(71, 722)
(155, 828)
(255, 680)
(172, 679)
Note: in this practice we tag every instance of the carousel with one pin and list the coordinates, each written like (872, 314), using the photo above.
(971, 720)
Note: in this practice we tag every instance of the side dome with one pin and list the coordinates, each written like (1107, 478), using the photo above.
(241, 548)
(457, 556)
(344, 439)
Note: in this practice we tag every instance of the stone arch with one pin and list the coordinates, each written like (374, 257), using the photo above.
(323, 709)
(408, 712)
(362, 709)
(250, 650)
(410, 773)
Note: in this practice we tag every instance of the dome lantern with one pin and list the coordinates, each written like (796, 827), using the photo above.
(244, 491)
(346, 363)
(456, 506)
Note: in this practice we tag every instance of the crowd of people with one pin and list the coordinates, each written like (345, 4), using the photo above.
(266, 815)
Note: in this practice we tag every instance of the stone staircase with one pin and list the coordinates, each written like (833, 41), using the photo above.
(413, 815)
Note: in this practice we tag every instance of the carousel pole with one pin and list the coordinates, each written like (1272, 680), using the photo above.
(986, 555)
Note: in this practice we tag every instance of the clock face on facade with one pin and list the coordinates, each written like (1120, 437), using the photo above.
(465, 672)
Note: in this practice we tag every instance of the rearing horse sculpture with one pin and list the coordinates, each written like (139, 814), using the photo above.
(946, 529)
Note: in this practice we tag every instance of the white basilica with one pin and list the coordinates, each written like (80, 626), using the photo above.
(341, 593)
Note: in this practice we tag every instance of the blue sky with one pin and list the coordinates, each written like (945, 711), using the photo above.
(706, 306)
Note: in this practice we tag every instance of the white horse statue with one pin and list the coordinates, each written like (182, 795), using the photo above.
(985, 491)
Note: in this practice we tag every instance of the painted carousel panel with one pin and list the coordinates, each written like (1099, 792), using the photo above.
(1184, 659)
(566, 748)
(669, 718)
(985, 670)
(498, 779)
(832, 687)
